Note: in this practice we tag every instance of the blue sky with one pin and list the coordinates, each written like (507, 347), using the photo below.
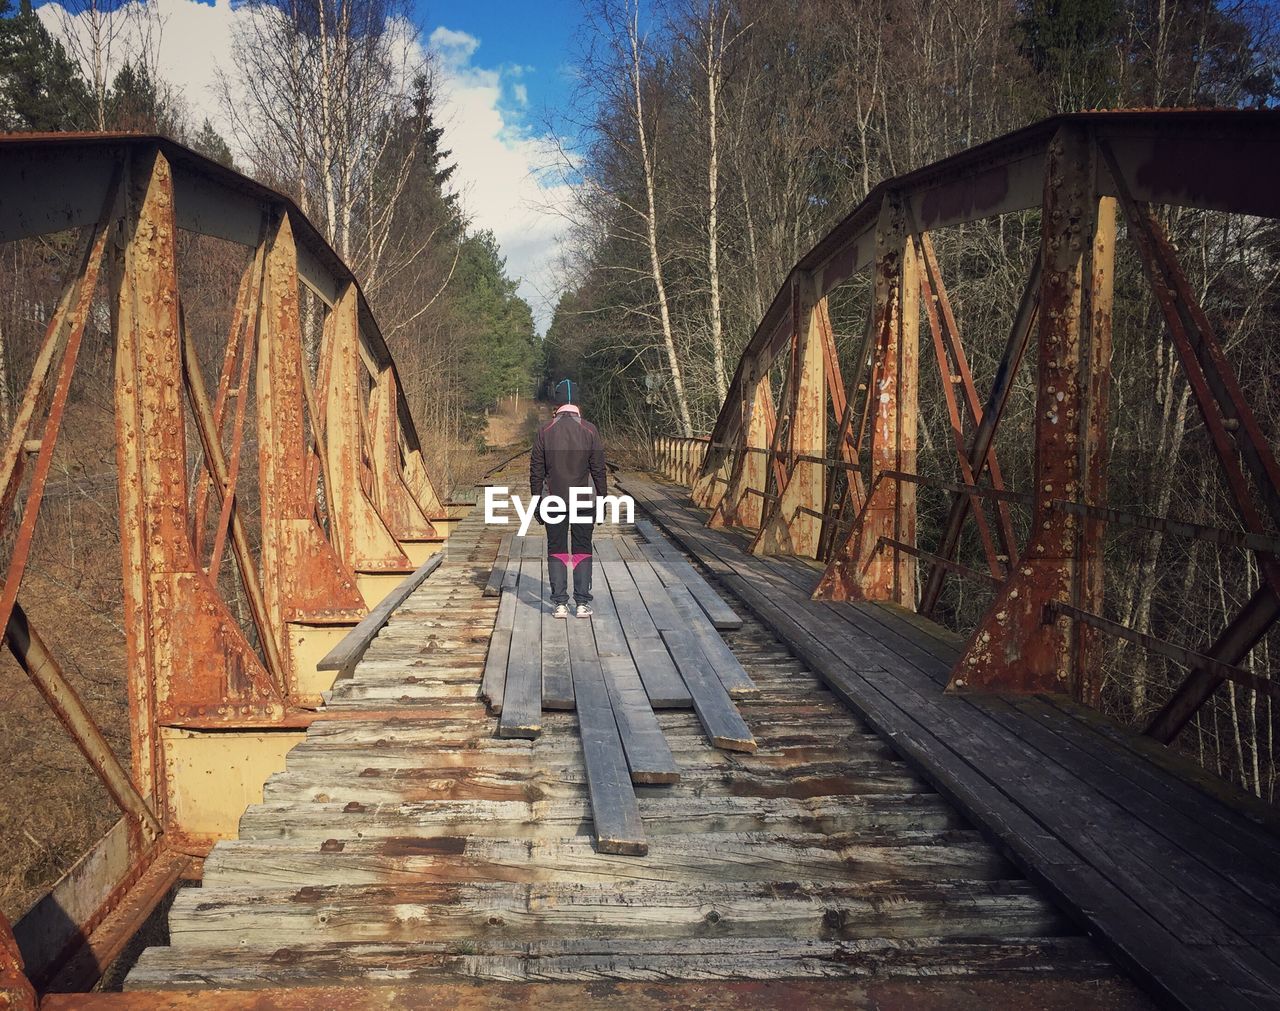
(538, 38)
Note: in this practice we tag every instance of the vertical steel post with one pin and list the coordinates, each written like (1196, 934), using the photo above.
(366, 542)
(302, 576)
(403, 514)
(862, 569)
(189, 663)
(1087, 655)
(794, 525)
(1017, 646)
(741, 505)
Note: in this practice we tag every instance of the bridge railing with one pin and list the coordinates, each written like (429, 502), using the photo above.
(832, 471)
(679, 458)
(339, 508)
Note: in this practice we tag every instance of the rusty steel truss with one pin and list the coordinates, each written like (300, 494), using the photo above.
(776, 475)
(346, 508)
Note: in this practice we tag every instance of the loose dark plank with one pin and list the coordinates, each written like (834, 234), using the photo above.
(673, 567)
(661, 679)
(648, 753)
(605, 549)
(499, 572)
(355, 642)
(609, 636)
(654, 595)
(724, 725)
(557, 681)
(494, 682)
(737, 682)
(522, 700)
(533, 545)
(615, 814)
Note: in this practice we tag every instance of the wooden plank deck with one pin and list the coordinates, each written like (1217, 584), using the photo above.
(1180, 883)
(405, 845)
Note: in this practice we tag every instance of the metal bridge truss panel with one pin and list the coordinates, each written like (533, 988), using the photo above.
(1043, 630)
(366, 542)
(1019, 644)
(194, 663)
(792, 520)
(865, 566)
(742, 504)
(304, 580)
(396, 502)
(213, 708)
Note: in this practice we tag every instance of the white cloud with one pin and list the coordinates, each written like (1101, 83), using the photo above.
(499, 160)
(497, 155)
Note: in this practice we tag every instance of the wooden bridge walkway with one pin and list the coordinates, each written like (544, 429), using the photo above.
(1176, 874)
(407, 845)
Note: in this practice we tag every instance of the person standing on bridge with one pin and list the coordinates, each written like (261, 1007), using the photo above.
(567, 454)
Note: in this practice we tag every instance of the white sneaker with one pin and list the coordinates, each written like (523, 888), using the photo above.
(583, 611)
(561, 611)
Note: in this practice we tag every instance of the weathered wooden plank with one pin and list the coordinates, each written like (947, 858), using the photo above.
(557, 681)
(654, 594)
(661, 679)
(737, 682)
(355, 642)
(649, 755)
(717, 856)
(605, 549)
(1004, 966)
(533, 545)
(721, 720)
(499, 572)
(615, 814)
(332, 785)
(610, 639)
(674, 566)
(663, 815)
(436, 911)
(522, 698)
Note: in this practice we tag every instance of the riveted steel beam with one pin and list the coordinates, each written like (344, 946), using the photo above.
(1018, 646)
(188, 659)
(396, 503)
(792, 524)
(367, 543)
(304, 579)
(866, 566)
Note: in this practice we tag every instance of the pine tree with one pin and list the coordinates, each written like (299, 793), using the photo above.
(41, 87)
(211, 144)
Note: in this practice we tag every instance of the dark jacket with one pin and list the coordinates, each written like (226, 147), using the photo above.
(567, 453)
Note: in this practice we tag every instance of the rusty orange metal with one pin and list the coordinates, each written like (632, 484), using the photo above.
(302, 576)
(862, 567)
(16, 991)
(1017, 646)
(396, 502)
